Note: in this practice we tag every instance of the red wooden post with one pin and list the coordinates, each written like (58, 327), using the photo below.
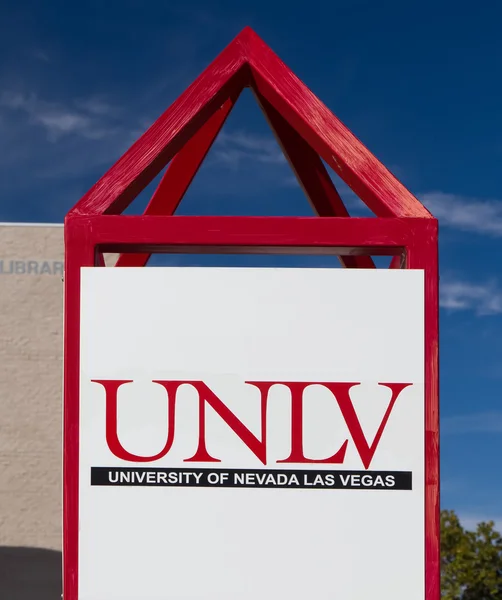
(179, 175)
(308, 133)
(311, 174)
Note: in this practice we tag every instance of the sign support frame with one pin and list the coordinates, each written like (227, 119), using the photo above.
(95, 227)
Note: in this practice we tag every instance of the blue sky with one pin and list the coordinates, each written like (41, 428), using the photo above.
(420, 83)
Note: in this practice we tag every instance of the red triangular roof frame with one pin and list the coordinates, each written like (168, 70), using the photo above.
(304, 126)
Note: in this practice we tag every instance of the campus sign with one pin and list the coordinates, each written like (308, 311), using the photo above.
(254, 425)
(243, 433)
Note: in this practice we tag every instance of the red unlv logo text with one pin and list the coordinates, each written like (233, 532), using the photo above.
(339, 390)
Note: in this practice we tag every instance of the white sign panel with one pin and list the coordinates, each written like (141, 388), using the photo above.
(251, 433)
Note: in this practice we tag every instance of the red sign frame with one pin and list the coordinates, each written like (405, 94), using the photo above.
(307, 132)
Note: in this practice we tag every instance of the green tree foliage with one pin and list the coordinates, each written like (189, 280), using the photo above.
(471, 561)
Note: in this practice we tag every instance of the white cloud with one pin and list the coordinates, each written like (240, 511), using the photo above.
(57, 148)
(481, 422)
(97, 106)
(483, 299)
(465, 213)
(81, 118)
(231, 149)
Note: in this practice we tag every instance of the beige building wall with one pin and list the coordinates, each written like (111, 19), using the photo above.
(31, 343)
(31, 377)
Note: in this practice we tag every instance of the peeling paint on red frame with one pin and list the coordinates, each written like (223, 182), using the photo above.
(85, 237)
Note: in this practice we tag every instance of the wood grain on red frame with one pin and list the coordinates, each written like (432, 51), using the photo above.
(247, 54)
(303, 233)
(344, 153)
(308, 167)
(94, 224)
(79, 252)
(396, 262)
(422, 253)
(117, 188)
(179, 175)
(84, 235)
(311, 175)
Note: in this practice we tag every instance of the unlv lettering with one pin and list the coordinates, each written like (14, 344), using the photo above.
(258, 446)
